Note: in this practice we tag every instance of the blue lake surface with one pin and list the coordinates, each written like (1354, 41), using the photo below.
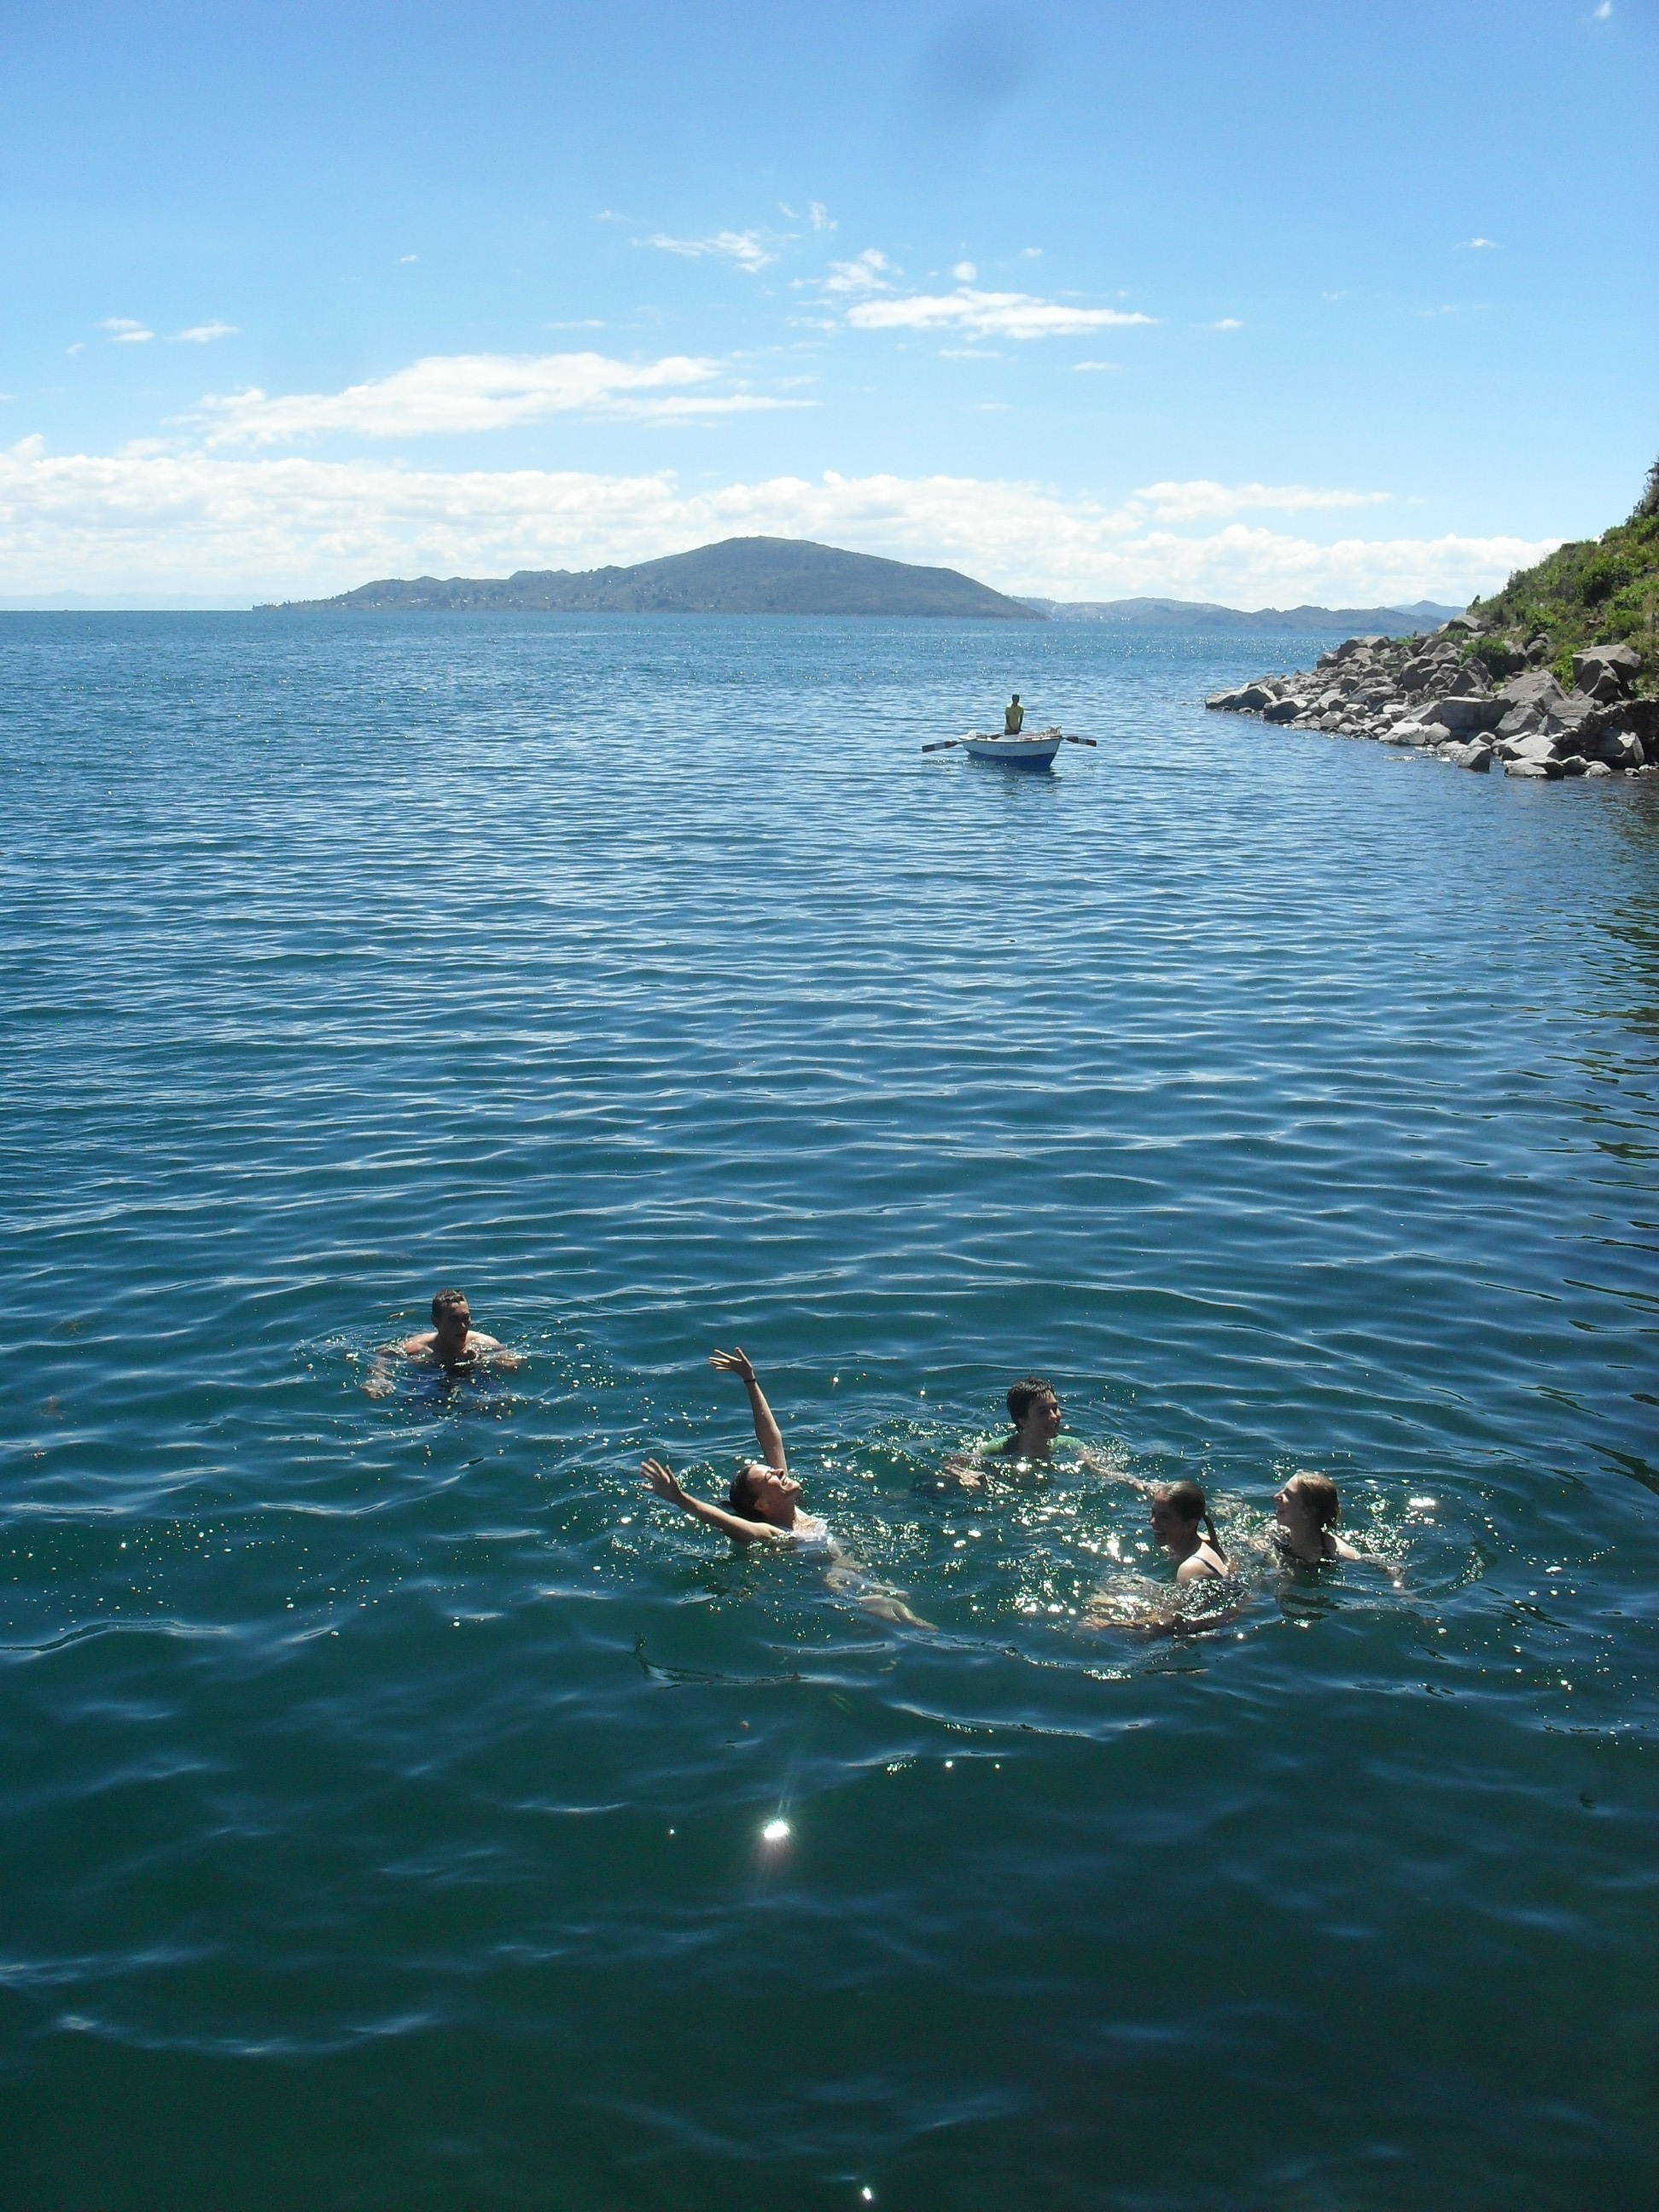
(384, 1776)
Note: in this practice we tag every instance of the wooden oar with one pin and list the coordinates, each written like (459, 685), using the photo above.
(943, 746)
(1079, 741)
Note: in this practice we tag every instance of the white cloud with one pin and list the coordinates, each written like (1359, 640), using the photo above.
(746, 247)
(207, 524)
(1227, 323)
(80, 346)
(1477, 246)
(964, 272)
(1097, 368)
(990, 314)
(819, 217)
(1031, 254)
(871, 272)
(203, 333)
(404, 259)
(449, 394)
(125, 332)
(1203, 500)
(1603, 14)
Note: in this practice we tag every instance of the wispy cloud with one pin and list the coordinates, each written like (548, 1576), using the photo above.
(452, 394)
(1476, 246)
(819, 217)
(990, 314)
(1228, 322)
(1603, 14)
(1202, 500)
(965, 273)
(203, 333)
(747, 249)
(871, 272)
(1097, 368)
(124, 330)
(293, 526)
(404, 259)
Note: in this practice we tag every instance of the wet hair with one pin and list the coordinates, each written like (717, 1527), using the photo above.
(740, 1495)
(1186, 1499)
(1023, 1394)
(1322, 1501)
(448, 1302)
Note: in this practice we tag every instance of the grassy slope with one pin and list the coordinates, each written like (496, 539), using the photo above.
(1596, 593)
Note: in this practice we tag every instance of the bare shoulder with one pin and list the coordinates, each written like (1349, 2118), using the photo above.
(478, 1341)
(416, 1347)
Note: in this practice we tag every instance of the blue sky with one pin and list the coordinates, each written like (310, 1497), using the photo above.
(1256, 303)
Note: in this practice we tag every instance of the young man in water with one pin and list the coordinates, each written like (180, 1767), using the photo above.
(1034, 1409)
(452, 1343)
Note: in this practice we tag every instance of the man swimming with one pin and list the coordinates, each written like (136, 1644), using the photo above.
(452, 1343)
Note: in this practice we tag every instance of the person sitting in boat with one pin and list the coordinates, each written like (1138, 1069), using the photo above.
(1013, 714)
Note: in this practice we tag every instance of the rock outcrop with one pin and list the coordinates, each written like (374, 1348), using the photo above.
(1433, 694)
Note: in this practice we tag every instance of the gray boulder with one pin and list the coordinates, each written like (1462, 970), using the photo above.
(1622, 662)
(1463, 715)
(1619, 748)
(1536, 769)
(1253, 697)
(1520, 722)
(1539, 748)
(1283, 710)
(1538, 688)
(1477, 754)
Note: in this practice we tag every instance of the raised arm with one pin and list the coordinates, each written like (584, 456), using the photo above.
(767, 1435)
(667, 1485)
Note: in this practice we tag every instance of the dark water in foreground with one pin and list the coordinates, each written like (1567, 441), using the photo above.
(383, 1779)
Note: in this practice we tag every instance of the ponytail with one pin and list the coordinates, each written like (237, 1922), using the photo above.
(1216, 1544)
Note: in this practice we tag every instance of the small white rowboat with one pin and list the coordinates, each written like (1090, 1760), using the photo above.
(1037, 750)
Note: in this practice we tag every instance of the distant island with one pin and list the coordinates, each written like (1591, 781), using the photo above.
(741, 576)
(1201, 614)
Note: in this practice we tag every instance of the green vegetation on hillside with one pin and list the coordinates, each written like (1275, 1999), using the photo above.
(1600, 591)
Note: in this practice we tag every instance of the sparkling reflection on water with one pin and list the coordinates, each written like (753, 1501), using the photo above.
(390, 1778)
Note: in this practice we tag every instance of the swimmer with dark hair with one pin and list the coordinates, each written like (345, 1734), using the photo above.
(1305, 1513)
(1180, 1522)
(1034, 1409)
(452, 1343)
(763, 1504)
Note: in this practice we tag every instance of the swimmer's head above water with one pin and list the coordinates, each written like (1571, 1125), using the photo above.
(451, 1326)
(765, 1493)
(1178, 1514)
(1034, 1409)
(1306, 1509)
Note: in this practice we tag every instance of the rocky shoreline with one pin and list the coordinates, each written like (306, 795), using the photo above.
(1469, 699)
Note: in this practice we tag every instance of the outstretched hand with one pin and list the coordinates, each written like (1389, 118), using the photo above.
(732, 1363)
(664, 1480)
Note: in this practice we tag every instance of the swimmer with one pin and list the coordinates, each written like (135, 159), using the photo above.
(1034, 1409)
(763, 1504)
(1306, 1510)
(1177, 1515)
(452, 1343)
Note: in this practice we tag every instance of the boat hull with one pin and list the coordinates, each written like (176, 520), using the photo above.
(1036, 751)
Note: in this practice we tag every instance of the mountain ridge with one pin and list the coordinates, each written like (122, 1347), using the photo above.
(738, 575)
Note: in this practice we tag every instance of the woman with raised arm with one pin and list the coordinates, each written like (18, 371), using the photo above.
(762, 1504)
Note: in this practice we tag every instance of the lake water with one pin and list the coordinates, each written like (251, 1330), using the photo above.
(384, 1779)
